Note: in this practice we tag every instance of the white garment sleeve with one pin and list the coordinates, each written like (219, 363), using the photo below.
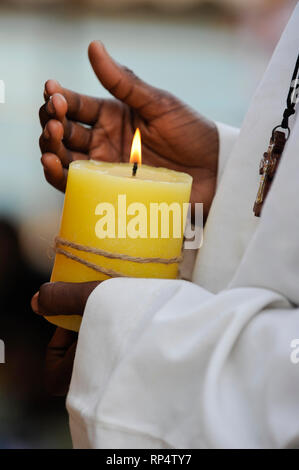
(227, 138)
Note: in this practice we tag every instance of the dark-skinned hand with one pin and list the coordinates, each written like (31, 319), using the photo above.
(76, 127)
(61, 298)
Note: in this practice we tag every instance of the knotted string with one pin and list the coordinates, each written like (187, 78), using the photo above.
(107, 254)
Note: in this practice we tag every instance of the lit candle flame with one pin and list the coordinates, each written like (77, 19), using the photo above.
(135, 156)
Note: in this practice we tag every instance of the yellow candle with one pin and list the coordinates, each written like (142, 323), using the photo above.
(90, 185)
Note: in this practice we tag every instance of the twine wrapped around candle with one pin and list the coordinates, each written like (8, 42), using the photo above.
(107, 254)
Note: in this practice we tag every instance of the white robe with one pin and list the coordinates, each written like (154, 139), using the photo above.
(207, 364)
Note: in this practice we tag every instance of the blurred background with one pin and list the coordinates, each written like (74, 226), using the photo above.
(211, 54)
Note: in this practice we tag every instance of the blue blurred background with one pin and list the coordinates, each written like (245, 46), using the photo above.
(210, 54)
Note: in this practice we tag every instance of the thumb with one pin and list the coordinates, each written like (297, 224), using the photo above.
(62, 298)
(122, 83)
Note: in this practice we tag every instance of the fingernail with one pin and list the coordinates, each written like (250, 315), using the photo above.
(50, 106)
(102, 45)
(34, 303)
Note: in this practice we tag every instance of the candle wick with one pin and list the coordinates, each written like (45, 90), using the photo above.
(134, 171)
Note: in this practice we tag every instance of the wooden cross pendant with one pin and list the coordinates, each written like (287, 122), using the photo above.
(268, 167)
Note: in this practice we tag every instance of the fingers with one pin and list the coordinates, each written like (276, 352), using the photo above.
(55, 107)
(122, 83)
(54, 172)
(52, 140)
(62, 298)
(81, 108)
(59, 361)
(61, 341)
(75, 136)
